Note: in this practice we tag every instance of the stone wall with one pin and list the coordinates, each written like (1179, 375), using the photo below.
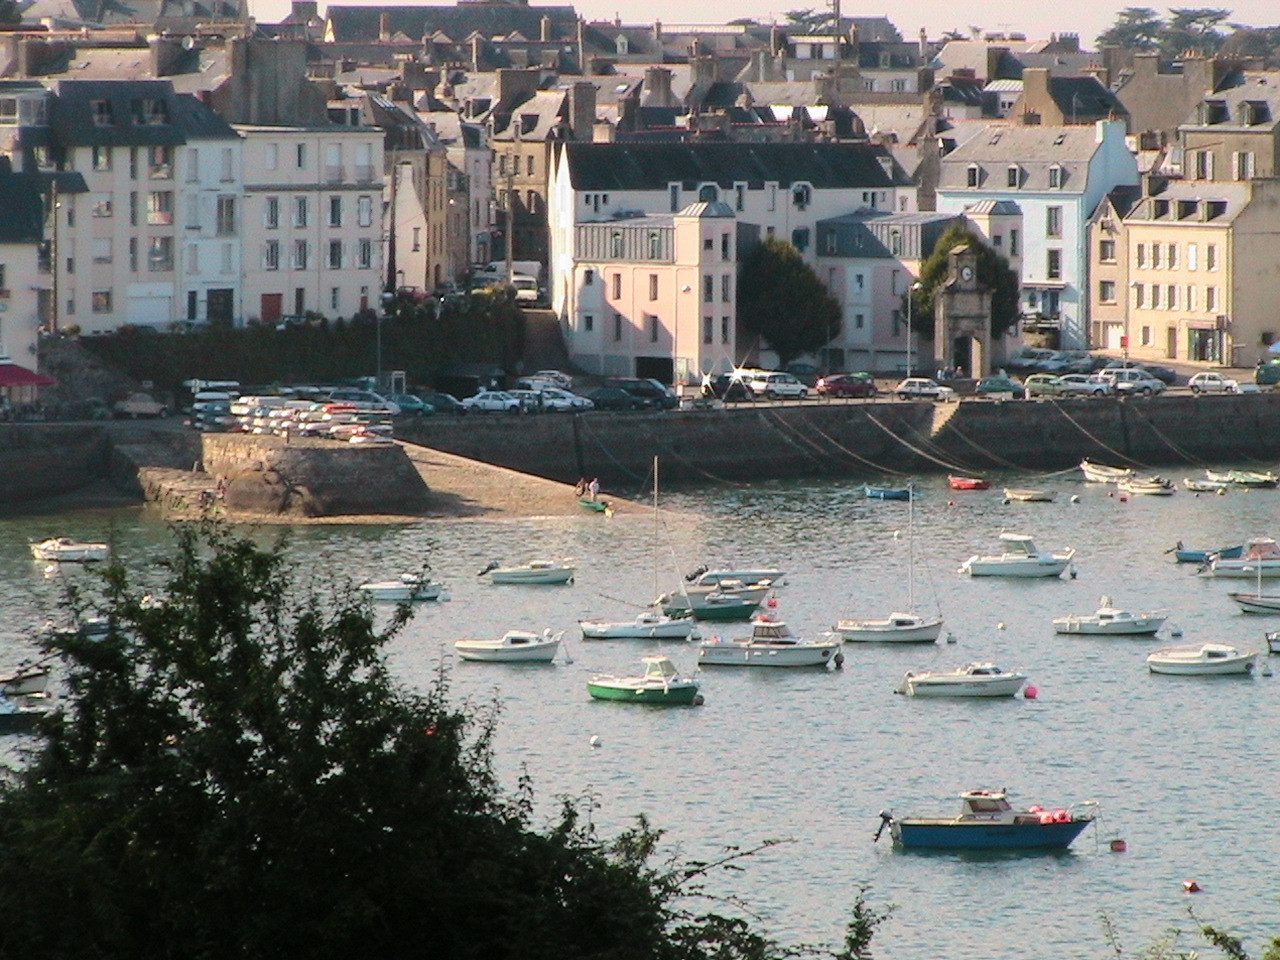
(314, 478)
(45, 459)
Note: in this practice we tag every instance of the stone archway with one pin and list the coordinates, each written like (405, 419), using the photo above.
(962, 315)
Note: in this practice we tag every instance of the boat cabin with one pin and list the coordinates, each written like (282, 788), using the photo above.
(658, 668)
(1264, 548)
(984, 803)
(1018, 543)
(771, 631)
(981, 670)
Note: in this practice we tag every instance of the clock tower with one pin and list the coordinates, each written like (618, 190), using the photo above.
(962, 316)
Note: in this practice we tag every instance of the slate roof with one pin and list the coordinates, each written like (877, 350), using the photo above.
(361, 23)
(652, 166)
(1259, 88)
(152, 12)
(1084, 99)
(1034, 149)
(71, 116)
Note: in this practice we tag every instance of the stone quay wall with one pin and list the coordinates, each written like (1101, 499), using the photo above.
(46, 459)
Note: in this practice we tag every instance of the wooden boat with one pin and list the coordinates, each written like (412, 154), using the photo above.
(514, 646)
(660, 684)
(1019, 559)
(1109, 620)
(987, 821)
(968, 483)
(1146, 486)
(647, 626)
(971, 680)
(886, 493)
(67, 550)
(1102, 473)
(1185, 555)
(771, 644)
(1028, 495)
(1206, 486)
(1202, 660)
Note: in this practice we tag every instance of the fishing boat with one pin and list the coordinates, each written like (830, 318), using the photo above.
(987, 821)
(1187, 555)
(514, 646)
(886, 493)
(659, 684)
(1260, 558)
(25, 680)
(407, 588)
(647, 626)
(1109, 620)
(1029, 495)
(1146, 487)
(540, 572)
(1202, 660)
(1206, 486)
(67, 550)
(771, 644)
(968, 483)
(971, 680)
(898, 627)
(1102, 473)
(757, 576)
(1019, 559)
(1256, 479)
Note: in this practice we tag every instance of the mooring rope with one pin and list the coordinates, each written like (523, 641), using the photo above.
(929, 444)
(845, 450)
(1189, 457)
(1076, 423)
(916, 450)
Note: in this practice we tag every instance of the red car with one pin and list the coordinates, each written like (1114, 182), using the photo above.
(847, 385)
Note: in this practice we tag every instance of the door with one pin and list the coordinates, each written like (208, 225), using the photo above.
(272, 307)
(221, 305)
(1171, 347)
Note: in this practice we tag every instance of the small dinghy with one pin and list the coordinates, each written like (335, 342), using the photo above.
(1203, 660)
(1028, 495)
(67, 550)
(409, 588)
(968, 483)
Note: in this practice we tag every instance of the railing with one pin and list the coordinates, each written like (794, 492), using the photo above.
(334, 172)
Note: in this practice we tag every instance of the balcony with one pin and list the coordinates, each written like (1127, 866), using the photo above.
(364, 173)
(334, 173)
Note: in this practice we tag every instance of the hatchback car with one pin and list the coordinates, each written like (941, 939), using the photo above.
(614, 398)
(1213, 383)
(1085, 384)
(774, 385)
(364, 400)
(444, 403)
(922, 388)
(731, 388)
(1000, 385)
(412, 405)
(491, 401)
(1042, 385)
(1131, 381)
(648, 390)
(847, 385)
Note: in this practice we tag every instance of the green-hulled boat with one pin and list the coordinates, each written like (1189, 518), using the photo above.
(595, 506)
(660, 684)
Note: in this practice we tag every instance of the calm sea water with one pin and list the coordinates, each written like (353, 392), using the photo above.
(1185, 768)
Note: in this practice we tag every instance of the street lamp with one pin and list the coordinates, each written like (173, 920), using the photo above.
(910, 354)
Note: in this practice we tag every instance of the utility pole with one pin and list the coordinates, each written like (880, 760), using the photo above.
(510, 204)
(53, 257)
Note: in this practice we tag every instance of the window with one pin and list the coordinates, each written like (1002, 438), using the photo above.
(615, 244)
(193, 165)
(335, 254)
(740, 196)
(895, 242)
(160, 254)
(1107, 291)
(133, 254)
(1173, 256)
(1211, 256)
(1191, 296)
(193, 304)
(588, 277)
(1146, 336)
(1053, 265)
(1107, 251)
(673, 192)
(617, 326)
(300, 156)
(708, 334)
(102, 114)
(1053, 221)
(655, 245)
(102, 250)
(708, 243)
(271, 214)
(1193, 256)
(335, 294)
(653, 286)
(226, 216)
(588, 322)
(708, 193)
(708, 288)
(1243, 164)
(726, 246)
(617, 286)
(417, 239)
(102, 158)
(1155, 296)
(1013, 243)
(1202, 165)
(1155, 256)
(530, 164)
(71, 216)
(300, 254)
(801, 195)
(101, 300)
(972, 175)
(1012, 177)
(271, 255)
(133, 163)
(800, 238)
(160, 207)
(333, 162)
(364, 211)
(1211, 299)
(1140, 256)
(859, 321)
(160, 163)
(366, 254)
(726, 288)
(102, 205)
(1171, 297)
(273, 156)
(299, 211)
(773, 196)
(651, 323)
(1139, 295)
(150, 112)
(1056, 177)
(724, 329)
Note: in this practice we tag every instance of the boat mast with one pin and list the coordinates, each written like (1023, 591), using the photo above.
(911, 545)
(655, 526)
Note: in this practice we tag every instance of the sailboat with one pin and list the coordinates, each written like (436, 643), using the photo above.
(898, 627)
(1256, 602)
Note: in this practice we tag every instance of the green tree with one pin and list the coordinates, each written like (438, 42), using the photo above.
(237, 774)
(9, 12)
(781, 300)
(993, 271)
(809, 19)
(1193, 30)
(1136, 28)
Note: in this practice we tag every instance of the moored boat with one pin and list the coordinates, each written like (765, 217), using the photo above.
(1146, 486)
(886, 493)
(647, 626)
(968, 483)
(1259, 558)
(659, 684)
(971, 680)
(751, 576)
(1029, 495)
(1256, 602)
(987, 821)
(408, 588)
(1102, 473)
(1109, 620)
(1202, 660)
(68, 550)
(514, 646)
(1206, 486)
(1020, 558)
(539, 572)
(22, 714)
(771, 644)
(728, 601)
(25, 680)
(1187, 555)
(895, 628)
(1256, 479)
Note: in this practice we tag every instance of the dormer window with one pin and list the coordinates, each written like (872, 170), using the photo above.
(1056, 177)
(101, 110)
(1161, 209)
(708, 193)
(621, 45)
(801, 195)
(150, 112)
(1013, 176)
(972, 175)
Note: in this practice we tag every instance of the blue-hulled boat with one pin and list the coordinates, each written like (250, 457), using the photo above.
(1184, 555)
(987, 821)
(887, 493)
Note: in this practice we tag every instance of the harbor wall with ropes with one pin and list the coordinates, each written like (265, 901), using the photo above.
(867, 439)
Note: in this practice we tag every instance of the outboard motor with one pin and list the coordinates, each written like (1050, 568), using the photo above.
(493, 565)
(694, 575)
(886, 818)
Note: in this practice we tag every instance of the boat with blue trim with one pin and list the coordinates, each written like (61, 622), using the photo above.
(987, 821)
(886, 493)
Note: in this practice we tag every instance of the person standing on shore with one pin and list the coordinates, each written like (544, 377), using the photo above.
(593, 488)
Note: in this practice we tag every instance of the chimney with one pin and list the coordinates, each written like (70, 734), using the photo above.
(544, 29)
(384, 27)
(657, 88)
(922, 47)
(603, 132)
(475, 53)
(582, 110)
(164, 55)
(1035, 89)
(657, 33)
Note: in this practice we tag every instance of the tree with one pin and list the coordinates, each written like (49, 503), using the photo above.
(1136, 28)
(10, 12)
(236, 773)
(809, 19)
(993, 271)
(782, 300)
(1193, 30)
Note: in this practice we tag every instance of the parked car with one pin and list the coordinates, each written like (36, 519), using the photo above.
(651, 391)
(140, 405)
(998, 385)
(1267, 374)
(731, 388)
(412, 405)
(1043, 385)
(847, 385)
(1130, 381)
(365, 400)
(559, 378)
(491, 401)
(922, 388)
(1212, 383)
(557, 399)
(444, 403)
(1165, 375)
(774, 385)
(1085, 384)
(615, 398)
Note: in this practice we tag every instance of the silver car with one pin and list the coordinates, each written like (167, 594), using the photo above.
(1085, 385)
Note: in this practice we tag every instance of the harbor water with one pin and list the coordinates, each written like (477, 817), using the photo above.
(1184, 769)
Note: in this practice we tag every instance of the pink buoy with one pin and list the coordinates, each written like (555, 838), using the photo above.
(1030, 693)
(1124, 499)
(1119, 846)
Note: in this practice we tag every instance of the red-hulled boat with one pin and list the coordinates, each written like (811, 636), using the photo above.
(968, 483)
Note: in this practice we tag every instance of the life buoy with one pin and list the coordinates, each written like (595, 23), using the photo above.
(1046, 817)
(1061, 816)
(1036, 808)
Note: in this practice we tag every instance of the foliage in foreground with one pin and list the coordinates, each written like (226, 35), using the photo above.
(238, 774)
(782, 300)
(1169, 947)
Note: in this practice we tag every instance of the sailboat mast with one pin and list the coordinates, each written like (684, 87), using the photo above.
(911, 547)
(655, 525)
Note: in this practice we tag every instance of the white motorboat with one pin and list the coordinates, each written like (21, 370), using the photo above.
(1203, 660)
(647, 626)
(409, 588)
(542, 572)
(971, 680)
(515, 646)
(771, 644)
(25, 680)
(1111, 620)
(1102, 473)
(1260, 558)
(1255, 602)
(1029, 495)
(1273, 642)
(756, 577)
(1146, 487)
(67, 550)
(1206, 486)
(1019, 559)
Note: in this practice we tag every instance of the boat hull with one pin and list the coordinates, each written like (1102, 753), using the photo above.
(485, 651)
(666, 628)
(1244, 568)
(968, 483)
(926, 687)
(727, 653)
(1204, 556)
(392, 592)
(683, 693)
(1138, 626)
(995, 567)
(594, 506)
(533, 577)
(1102, 473)
(1029, 496)
(887, 493)
(1232, 667)
(24, 682)
(947, 835)
(77, 553)
(927, 630)
(1256, 603)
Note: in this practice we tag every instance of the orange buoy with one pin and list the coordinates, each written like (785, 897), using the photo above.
(1190, 886)
(1119, 846)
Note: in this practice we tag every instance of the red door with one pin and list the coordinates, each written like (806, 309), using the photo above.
(272, 307)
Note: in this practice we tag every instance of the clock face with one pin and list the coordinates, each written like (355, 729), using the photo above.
(966, 273)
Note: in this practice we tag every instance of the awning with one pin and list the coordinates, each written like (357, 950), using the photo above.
(12, 375)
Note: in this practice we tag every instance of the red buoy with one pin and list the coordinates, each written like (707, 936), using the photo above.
(1119, 846)
(1190, 886)
(1030, 693)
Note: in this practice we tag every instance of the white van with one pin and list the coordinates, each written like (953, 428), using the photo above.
(527, 290)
